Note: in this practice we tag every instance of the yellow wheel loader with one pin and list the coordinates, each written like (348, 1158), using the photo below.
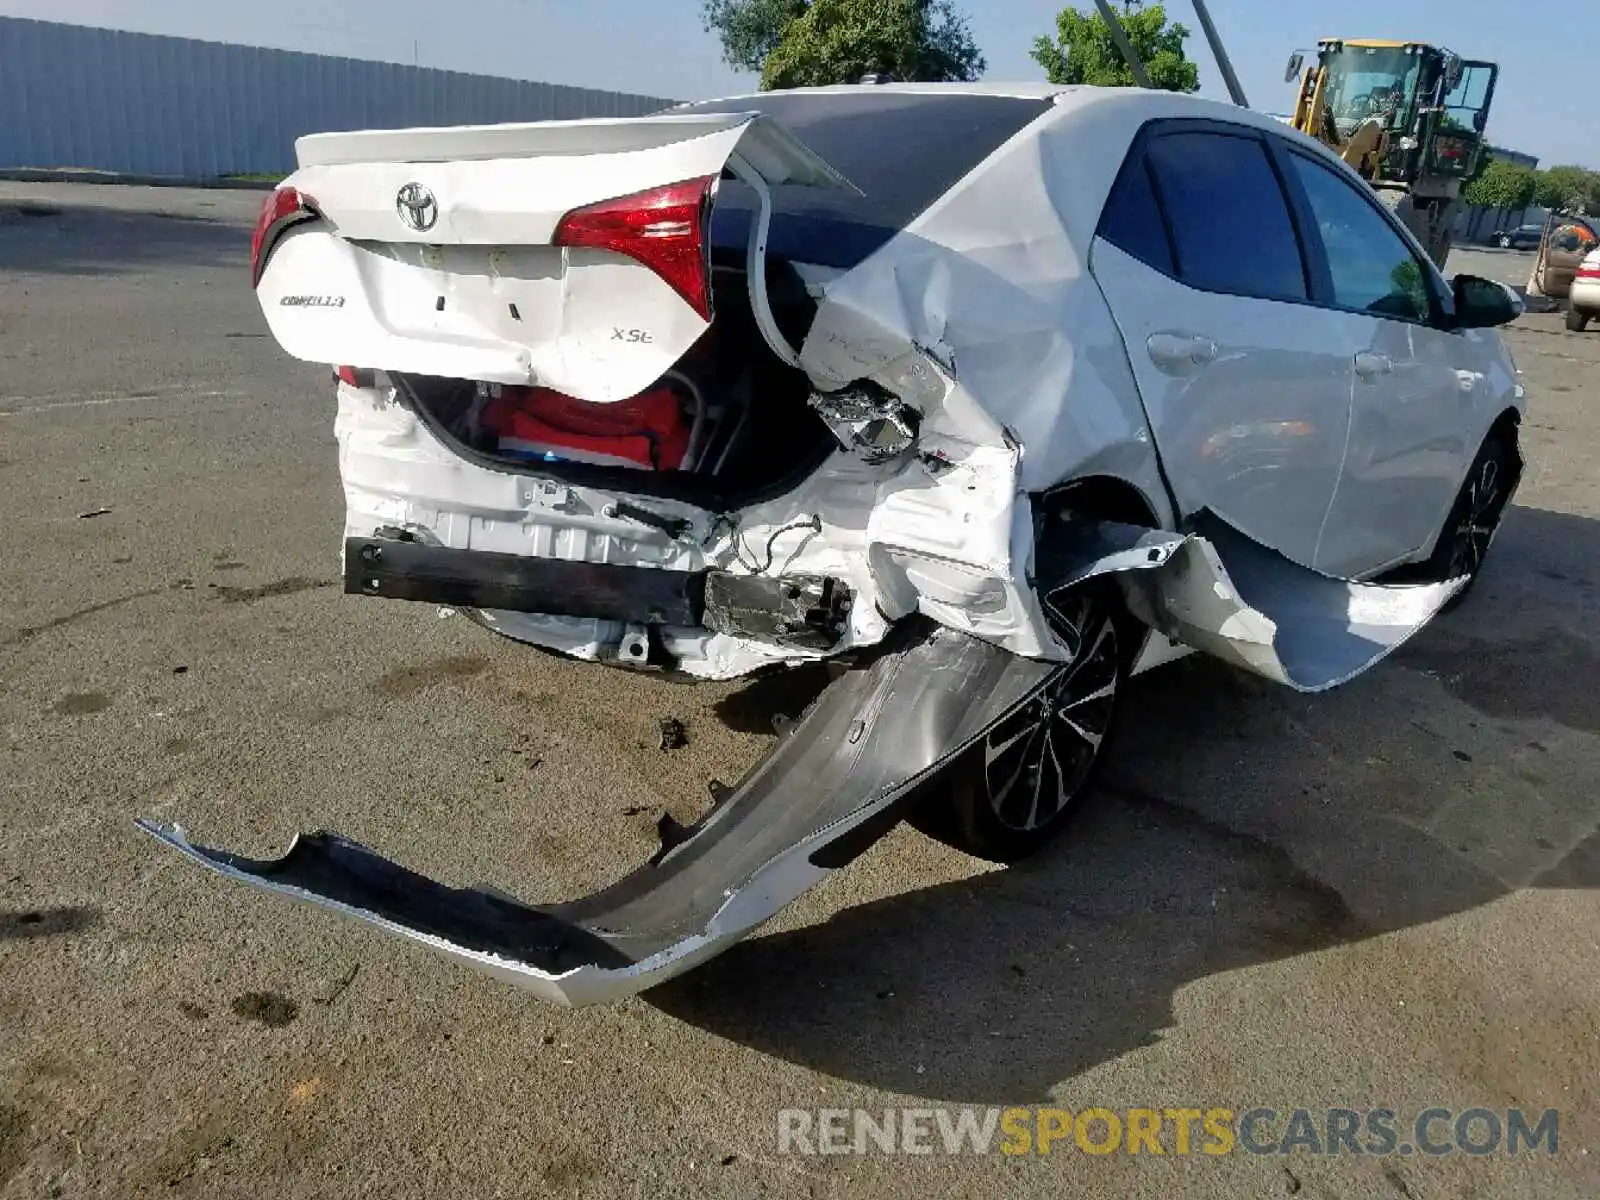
(1408, 116)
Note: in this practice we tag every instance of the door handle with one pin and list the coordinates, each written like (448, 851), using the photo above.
(1180, 350)
(1370, 366)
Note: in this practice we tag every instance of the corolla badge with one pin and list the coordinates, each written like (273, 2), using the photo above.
(417, 207)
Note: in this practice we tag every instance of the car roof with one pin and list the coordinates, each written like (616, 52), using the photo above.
(1092, 126)
(1017, 91)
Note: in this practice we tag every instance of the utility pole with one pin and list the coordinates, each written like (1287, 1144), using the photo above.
(1119, 35)
(1235, 92)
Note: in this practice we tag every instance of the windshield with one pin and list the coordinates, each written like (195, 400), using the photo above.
(1371, 81)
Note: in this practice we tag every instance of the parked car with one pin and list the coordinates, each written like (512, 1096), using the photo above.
(1583, 302)
(1563, 247)
(1523, 237)
(967, 387)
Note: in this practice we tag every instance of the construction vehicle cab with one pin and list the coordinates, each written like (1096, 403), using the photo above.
(1408, 116)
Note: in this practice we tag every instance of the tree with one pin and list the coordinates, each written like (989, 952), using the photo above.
(1503, 185)
(803, 43)
(749, 29)
(1083, 51)
(1568, 189)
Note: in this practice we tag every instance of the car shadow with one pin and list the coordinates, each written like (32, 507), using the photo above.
(1238, 824)
(88, 239)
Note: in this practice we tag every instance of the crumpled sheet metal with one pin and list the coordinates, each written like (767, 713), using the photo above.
(1218, 591)
(993, 282)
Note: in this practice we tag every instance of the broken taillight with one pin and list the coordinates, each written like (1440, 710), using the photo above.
(663, 228)
(283, 208)
(356, 377)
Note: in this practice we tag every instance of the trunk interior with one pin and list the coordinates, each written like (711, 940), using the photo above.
(727, 427)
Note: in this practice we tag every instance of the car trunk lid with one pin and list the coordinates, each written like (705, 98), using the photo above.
(570, 255)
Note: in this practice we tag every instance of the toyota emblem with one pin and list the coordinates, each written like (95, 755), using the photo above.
(417, 207)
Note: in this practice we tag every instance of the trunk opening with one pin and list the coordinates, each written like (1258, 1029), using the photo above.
(729, 425)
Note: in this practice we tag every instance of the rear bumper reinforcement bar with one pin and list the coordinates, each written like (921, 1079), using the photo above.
(831, 787)
(398, 569)
(803, 611)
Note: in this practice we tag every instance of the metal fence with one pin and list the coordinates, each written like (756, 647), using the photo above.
(72, 96)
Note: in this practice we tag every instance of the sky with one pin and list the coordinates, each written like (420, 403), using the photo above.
(1545, 103)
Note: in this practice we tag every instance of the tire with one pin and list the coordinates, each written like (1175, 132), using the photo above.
(1474, 519)
(1012, 794)
(1503, 242)
(1577, 319)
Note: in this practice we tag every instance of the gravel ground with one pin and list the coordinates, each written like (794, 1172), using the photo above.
(1385, 895)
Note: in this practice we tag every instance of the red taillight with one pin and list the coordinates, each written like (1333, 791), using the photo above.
(663, 228)
(1589, 272)
(282, 208)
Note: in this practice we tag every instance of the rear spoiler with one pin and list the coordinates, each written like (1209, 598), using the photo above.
(775, 153)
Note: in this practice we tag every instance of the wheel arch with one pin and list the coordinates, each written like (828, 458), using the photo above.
(1508, 425)
(1100, 497)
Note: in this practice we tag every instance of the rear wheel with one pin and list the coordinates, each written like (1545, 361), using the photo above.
(1013, 793)
(1504, 242)
(1577, 320)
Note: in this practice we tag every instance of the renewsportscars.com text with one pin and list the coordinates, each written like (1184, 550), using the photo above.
(1175, 1131)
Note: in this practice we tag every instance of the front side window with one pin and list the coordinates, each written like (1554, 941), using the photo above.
(1231, 228)
(1374, 270)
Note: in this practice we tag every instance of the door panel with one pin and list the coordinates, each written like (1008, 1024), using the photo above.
(1407, 450)
(1409, 404)
(1246, 385)
(1252, 421)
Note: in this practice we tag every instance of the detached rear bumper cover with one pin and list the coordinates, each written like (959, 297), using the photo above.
(829, 789)
(836, 782)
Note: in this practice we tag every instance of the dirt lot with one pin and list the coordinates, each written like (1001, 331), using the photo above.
(1384, 896)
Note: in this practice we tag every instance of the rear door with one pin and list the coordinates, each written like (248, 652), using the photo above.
(1414, 390)
(1246, 384)
(567, 254)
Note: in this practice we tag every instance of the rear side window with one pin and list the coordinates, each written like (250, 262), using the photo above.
(1231, 229)
(1132, 220)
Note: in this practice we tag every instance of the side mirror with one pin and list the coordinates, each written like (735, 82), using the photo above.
(1479, 120)
(1484, 304)
(1292, 71)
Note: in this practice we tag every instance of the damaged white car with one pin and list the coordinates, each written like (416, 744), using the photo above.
(996, 395)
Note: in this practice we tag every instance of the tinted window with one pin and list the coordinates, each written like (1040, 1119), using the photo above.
(903, 150)
(1373, 269)
(1230, 223)
(1132, 219)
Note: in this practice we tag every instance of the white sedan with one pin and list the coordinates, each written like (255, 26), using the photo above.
(997, 394)
(1583, 301)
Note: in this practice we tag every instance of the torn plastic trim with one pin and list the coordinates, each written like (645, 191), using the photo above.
(827, 791)
(1218, 591)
